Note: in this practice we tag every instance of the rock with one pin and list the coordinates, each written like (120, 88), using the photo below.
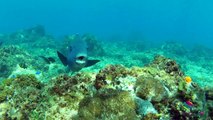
(108, 104)
(150, 89)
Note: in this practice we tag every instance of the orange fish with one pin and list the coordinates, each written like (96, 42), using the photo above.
(188, 79)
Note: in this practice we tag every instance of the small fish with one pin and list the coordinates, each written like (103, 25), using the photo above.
(48, 59)
(77, 57)
(38, 72)
(189, 103)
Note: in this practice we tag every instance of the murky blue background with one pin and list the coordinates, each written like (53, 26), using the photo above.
(187, 21)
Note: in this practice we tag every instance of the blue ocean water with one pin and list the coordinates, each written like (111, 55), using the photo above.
(185, 21)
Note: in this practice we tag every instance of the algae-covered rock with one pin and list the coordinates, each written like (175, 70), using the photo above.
(13, 57)
(64, 94)
(10, 56)
(4, 107)
(63, 84)
(168, 65)
(9, 86)
(22, 94)
(150, 89)
(110, 74)
(108, 104)
(144, 107)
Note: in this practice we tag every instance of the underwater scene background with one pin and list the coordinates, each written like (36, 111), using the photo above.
(154, 60)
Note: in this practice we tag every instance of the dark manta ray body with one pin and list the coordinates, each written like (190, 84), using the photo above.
(76, 58)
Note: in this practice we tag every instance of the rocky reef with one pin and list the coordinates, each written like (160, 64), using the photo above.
(128, 83)
(108, 103)
(19, 97)
(11, 56)
(159, 90)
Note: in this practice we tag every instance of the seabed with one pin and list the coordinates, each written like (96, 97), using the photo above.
(133, 81)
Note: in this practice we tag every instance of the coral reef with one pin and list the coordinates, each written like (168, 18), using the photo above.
(161, 82)
(125, 85)
(115, 92)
